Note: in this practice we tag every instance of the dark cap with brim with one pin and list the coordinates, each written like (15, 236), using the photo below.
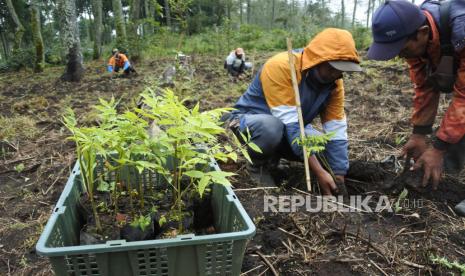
(386, 51)
(393, 22)
(345, 66)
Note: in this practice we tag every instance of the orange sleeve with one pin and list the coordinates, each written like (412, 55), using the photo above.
(335, 108)
(276, 81)
(111, 61)
(426, 99)
(124, 58)
(452, 127)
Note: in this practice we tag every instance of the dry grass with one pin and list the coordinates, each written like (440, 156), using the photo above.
(18, 128)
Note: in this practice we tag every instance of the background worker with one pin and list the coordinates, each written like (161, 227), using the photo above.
(117, 61)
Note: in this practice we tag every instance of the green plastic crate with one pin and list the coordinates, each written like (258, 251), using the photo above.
(185, 255)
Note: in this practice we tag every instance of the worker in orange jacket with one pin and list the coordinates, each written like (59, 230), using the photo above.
(117, 61)
(268, 108)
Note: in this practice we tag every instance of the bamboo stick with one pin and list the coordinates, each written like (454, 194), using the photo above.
(299, 110)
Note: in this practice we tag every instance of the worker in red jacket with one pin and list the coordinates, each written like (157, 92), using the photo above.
(431, 38)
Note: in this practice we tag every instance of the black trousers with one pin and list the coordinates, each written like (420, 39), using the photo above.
(127, 71)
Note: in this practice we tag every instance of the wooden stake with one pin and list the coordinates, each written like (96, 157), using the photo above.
(299, 110)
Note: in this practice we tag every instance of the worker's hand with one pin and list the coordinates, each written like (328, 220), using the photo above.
(326, 182)
(432, 161)
(341, 186)
(340, 178)
(414, 147)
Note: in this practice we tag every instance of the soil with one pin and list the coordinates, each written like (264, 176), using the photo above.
(197, 216)
(378, 107)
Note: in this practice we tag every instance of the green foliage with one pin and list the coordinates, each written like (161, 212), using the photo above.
(401, 197)
(446, 263)
(19, 59)
(19, 168)
(142, 222)
(223, 39)
(362, 37)
(53, 56)
(162, 221)
(104, 186)
(179, 10)
(183, 149)
(89, 142)
(400, 139)
(199, 26)
(184, 131)
(314, 144)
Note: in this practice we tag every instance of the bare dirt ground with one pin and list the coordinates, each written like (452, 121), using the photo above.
(35, 161)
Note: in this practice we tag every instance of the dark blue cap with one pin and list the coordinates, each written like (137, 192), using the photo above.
(391, 26)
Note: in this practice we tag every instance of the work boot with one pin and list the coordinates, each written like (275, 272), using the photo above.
(460, 208)
(261, 176)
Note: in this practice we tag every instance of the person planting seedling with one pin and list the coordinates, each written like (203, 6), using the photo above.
(119, 61)
(431, 39)
(268, 107)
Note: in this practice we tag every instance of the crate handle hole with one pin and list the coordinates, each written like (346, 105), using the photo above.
(187, 238)
(115, 244)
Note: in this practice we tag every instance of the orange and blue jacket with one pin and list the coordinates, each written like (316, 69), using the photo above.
(118, 61)
(426, 100)
(272, 92)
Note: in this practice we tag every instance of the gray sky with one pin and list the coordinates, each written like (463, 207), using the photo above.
(360, 15)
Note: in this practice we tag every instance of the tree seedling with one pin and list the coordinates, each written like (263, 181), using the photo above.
(401, 197)
(316, 144)
(117, 156)
(19, 168)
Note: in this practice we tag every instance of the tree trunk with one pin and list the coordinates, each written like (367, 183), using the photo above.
(135, 13)
(70, 33)
(373, 4)
(368, 13)
(119, 24)
(148, 27)
(106, 35)
(168, 13)
(4, 45)
(135, 32)
(343, 13)
(240, 12)
(97, 11)
(353, 14)
(228, 9)
(39, 63)
(248, 11)
(19, 32)
(273, 5)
